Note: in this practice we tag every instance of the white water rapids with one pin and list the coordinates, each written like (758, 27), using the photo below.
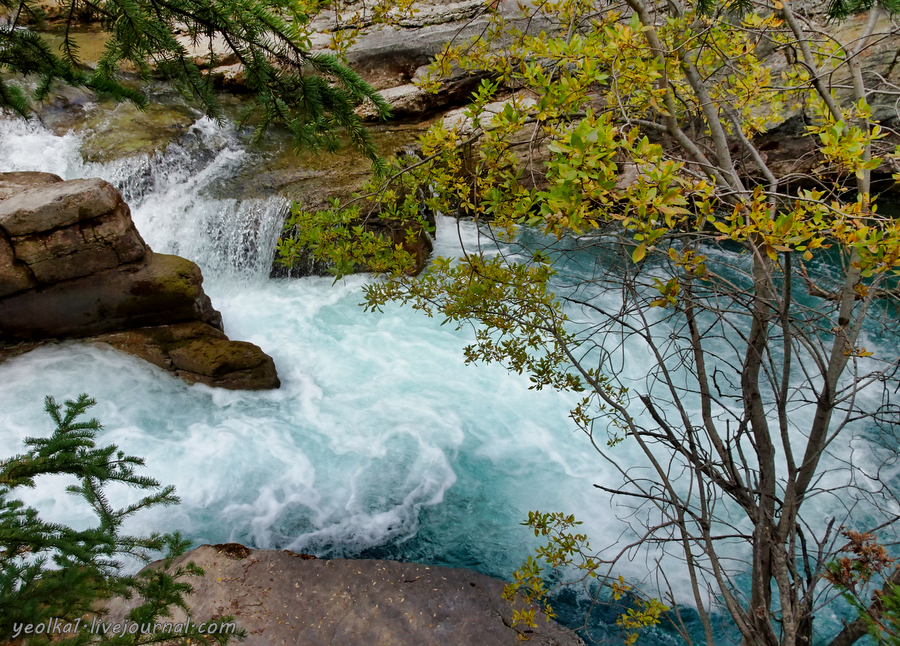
(379, 432)
(380, 442)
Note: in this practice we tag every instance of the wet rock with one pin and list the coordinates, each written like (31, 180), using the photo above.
(128, 130)
(153, 343)
(288, 598)
(216, 357)
(224, 363)
(199, 353)
(260, 377)
(158, 290)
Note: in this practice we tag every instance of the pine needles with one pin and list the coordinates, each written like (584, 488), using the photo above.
(53, 573)
(313, 95)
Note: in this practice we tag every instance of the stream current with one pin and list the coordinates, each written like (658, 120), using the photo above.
(380, 443)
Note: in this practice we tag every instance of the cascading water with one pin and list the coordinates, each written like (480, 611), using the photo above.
(380, 442)
(173, 195)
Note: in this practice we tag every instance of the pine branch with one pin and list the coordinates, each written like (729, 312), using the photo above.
(49, 570)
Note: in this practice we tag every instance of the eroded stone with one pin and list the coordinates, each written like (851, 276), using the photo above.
(199, 353)
(58, 204)
(163, 289)
(18, 181)
(75, 266)
(14, 276)
(214, 358)
(81, 249)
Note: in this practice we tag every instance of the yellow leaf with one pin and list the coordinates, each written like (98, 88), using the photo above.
(639, 252)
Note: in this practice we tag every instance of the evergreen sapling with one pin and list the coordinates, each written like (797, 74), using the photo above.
(58, 576)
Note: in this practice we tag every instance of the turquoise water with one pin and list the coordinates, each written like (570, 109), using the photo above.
(381, 442)
(380, 439)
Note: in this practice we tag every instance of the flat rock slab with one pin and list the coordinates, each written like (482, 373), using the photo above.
(161, 289)
(56, 204)
(287, 598)
(16, 182)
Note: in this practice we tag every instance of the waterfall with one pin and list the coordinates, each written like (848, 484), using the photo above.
(381, 441)
(173, 194)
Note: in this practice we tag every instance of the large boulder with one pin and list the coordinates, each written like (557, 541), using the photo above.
(289, 598)
(53, 231)
(16, 182)
(14, 274)
(73, 265)
(389, 56)
(102, 243)
(43, 207)
(159, 290)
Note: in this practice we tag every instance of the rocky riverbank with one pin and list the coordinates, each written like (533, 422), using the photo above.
(289, 598)
(392, 57)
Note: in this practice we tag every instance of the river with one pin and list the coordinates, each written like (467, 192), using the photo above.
(380, 443)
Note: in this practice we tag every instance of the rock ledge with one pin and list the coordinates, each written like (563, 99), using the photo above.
(289, 598)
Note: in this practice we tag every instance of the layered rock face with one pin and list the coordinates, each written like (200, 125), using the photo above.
(73, 265)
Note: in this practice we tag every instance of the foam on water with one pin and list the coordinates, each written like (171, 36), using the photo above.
(172, 194)
(380, 437)
(29, 146)
(376, 420)
(380, 442)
